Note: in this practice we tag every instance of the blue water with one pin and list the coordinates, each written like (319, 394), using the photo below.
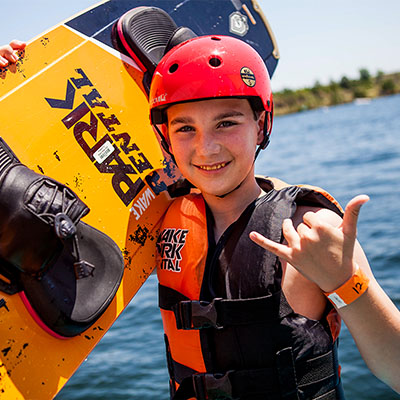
(347, 150)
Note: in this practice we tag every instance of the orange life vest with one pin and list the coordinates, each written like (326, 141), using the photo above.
(229, 330)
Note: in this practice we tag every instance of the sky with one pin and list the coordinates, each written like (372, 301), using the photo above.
(318, 40)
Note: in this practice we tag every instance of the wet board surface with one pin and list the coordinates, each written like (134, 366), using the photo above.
(73, 108)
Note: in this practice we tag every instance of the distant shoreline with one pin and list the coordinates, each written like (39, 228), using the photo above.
(344, 91)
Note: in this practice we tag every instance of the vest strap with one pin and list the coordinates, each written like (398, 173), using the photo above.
(287, 374)
(220, 313)
(289, 380)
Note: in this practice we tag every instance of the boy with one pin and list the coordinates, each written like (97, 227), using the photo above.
(275, 335)
(239, 321)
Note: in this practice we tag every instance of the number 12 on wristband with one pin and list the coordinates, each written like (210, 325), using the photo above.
(351, 290)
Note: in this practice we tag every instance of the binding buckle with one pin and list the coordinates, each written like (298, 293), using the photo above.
(196, 314)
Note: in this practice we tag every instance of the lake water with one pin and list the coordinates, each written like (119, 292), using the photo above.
(347, 149)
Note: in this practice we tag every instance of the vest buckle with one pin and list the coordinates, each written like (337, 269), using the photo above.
(196, 314)
(212, 386)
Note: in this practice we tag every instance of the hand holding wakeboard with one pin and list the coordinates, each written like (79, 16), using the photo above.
(75, 109)
(8, 53)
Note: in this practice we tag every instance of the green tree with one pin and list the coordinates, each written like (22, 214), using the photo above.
(317, 88)
(365, 76)
(335, 95)
(287, 92)
(345, 83)
(379, 75)
(388, 87)
(360, 92)
(333, 86)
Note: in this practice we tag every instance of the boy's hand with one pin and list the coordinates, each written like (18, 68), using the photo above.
(8, 52)
(320, 251)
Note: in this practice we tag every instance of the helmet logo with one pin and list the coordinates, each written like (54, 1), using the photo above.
(248, 76)
(161, 98)
(238, 23)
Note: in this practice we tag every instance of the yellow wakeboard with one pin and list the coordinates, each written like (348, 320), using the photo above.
(73, 108)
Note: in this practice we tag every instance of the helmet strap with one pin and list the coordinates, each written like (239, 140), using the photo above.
(266, 131)
(226, 194)
(164, 143)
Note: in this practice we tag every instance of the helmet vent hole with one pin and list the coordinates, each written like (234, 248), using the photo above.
(215, 62)
(215, 38)
(173, 68)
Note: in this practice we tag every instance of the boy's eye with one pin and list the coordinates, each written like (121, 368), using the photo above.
(185, 128)
(227, 124)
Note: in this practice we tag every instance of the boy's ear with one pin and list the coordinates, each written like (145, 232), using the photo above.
(260, 123)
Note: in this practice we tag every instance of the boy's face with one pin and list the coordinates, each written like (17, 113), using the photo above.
(214, 142)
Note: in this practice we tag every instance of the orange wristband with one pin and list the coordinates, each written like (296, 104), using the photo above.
(350, 290)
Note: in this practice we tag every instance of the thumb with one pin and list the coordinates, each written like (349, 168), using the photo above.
(350, 218)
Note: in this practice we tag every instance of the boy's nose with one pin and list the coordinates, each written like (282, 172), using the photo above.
(207, 144)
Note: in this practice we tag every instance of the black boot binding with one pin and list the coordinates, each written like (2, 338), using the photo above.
(146, 34)
(67, 270)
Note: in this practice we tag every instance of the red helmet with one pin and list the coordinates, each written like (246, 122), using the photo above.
(208, 67)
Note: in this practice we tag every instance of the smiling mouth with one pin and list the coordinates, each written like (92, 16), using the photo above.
(212, 167)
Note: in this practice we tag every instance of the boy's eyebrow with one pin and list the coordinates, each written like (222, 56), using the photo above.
(228, 114)
(181, 120)
(189, 120)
